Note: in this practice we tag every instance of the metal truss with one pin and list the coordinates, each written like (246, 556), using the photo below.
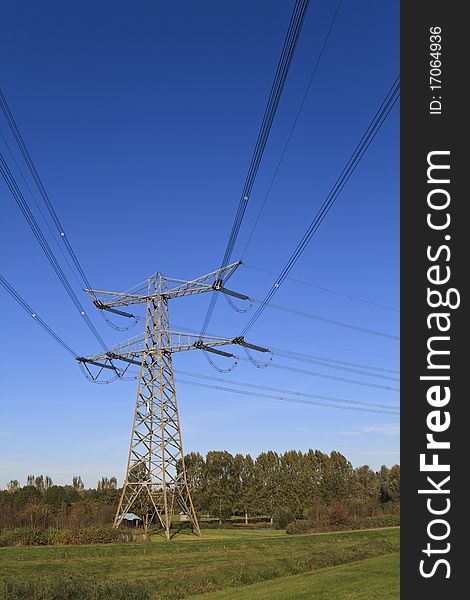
(156, 483)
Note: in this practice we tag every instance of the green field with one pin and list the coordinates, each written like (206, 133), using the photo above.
(368, 579)
(226, 559)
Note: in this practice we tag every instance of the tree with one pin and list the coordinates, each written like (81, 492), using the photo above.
(267, 470)
(221, 483)
(195, 472)
(13, 485)
(389, 484)
(58, 496)
(39, 483)
(365, 490)
(77, 483)
(244, 467)
(105, 484)
(337, 479)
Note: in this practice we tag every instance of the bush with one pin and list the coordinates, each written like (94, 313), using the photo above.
(282, 518)
(72, 588)
(30, 536)
(300, 526)
(308, 526)
(338, 515)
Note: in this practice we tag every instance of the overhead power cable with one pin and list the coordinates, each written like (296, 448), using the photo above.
(286, 399)
(276, 170)
(32, 313)
(331, 401)
(309, 357)
(37, 180)
(319, 360)
(327, 376)
(302, 313)
(289, 392)
(288, 49)
(325, 289)
(31, 220)
(339, 367)
(355, 158)
(75, 268)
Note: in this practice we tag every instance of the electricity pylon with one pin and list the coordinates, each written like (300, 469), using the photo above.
(156, 481)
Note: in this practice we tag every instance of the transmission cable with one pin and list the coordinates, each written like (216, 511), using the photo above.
(309, 357)
(361, 148)
(301, 313)
(326, 376)
(35, 175)
(31, 220)
(285, 399)
(32, 313)
(290, 43)
(325, 289)
(312, 76)
(50, 207)
(283, 391)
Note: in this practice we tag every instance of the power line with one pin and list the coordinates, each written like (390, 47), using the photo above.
(31, 220)
(325, 289)
(340, 367)
(32, 313)
(35, 175)
(326, 376)
(371, 407)
(290, 43)
(292, 129)
(283, 391)
(285, 399)
(301, 313)
(46, 222)
(309, 357)
(355, 158)
(319, 360)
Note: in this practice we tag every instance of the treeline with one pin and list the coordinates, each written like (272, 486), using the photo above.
(279, 487)
(40, 503)
(297, 483)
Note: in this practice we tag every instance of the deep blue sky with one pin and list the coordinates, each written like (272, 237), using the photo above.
(141, 118)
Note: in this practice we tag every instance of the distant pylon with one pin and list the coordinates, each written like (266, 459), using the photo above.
(156, 482)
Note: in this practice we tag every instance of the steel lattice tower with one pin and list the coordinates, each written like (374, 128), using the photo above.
(156, 482)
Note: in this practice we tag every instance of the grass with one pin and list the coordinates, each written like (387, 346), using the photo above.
(365, 580)
(189, 565)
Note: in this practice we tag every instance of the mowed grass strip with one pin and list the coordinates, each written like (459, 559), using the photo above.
(189, 566)
(368, 579)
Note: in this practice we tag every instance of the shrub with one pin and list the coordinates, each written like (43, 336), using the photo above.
(300, 526)
(309, 526)
(282, 518)
(30, 536)
(72, 588)
(338, 515)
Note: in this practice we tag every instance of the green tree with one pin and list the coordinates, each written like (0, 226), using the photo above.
(267, 470)
(77, 483)
(221, 483)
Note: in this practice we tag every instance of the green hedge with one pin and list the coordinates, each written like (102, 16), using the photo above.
(31, 536)
(72, 588)
(309, 526)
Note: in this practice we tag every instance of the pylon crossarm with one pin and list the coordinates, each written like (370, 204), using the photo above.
(214, 281)
(105, 300)
(133, 349)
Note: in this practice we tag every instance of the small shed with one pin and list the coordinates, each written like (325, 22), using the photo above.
(132, 520)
